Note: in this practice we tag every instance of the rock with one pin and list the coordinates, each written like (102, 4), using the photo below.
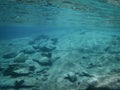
(35, 46)
(42, 71)
(32, 68)
(85, 74)
(71, 76)
(16, 70)
(21, 72)
(54, 41)
(9, 55)
(108, 82)
(8, 70)
(93, 81)
(18, 84)
(47, 54)
(28, 50)
(44, 61)
(31, 42)
(1, 68)
(44, 78)
(16, 73)
(47, 49)
(20, 58)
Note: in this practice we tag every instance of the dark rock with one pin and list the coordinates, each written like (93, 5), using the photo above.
(8, 70)
(45, 74)
(7, 87)
(32, 68)
(54, 41)
(13, 71)
(43, 71)
(1, 69)
(9, 55)
(18, 84)
(107, 49)
(44, 78)
(31, 42)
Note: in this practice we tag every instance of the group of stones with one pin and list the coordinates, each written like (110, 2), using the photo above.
(44, 46)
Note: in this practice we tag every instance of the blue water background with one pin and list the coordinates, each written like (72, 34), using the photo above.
(22, 20)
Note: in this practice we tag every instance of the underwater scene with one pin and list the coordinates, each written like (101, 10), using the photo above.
(59, 44)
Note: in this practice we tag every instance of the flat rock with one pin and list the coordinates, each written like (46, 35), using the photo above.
(22, 71)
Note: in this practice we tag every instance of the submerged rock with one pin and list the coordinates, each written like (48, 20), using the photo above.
(31, 42)
(8, 70)
(20, 58)
(35, 46)
(21, 72)
(42, 71)
(47, 49)
(16, 70)
(28, 50)
(18, 84)
(85, 74)
(44, 61)
(71, 76)
(9, 55)
(108, 82)
(54, 41)
(32, 68)
(47, 54)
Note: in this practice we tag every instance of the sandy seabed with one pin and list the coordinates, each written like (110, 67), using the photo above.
(61, 60)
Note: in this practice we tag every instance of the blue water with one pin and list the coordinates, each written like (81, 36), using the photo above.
(91, 14)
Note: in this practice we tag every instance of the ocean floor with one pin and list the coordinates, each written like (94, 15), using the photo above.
(61, 60)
